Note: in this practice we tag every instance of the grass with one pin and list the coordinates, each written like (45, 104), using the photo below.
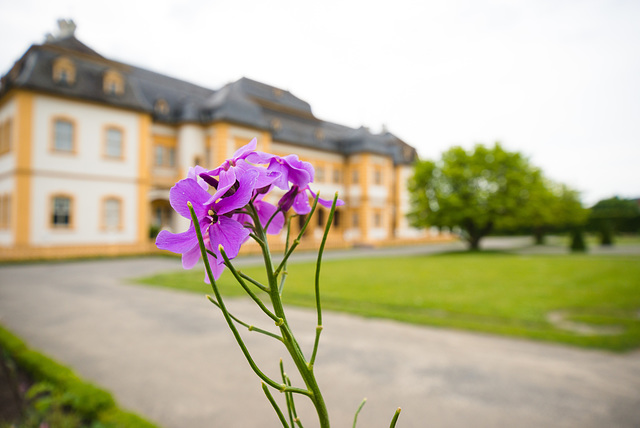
(488, 292)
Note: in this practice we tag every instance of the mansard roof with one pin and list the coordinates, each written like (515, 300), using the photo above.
(245, 101)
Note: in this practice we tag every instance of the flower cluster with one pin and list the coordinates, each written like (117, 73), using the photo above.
(229, 200)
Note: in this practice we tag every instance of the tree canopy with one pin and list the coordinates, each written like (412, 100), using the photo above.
(614, 215)
(488, 188)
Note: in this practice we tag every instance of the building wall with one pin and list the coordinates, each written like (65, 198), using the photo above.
(86, 175)
(32, 173)
(403, 203)
(7, 166)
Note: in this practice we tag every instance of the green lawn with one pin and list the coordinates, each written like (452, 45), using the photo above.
(490, 292)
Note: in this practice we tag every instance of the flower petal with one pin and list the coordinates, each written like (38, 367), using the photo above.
(188, 190)
(327, 203)
(265, 177)
(242, 196)
(228, 233)
(300, 172)
(190, 258)
(301, 203)
(227, 180)
(216, 269)
(177, 242)
(265, 212)
(245, 150)
(194, 174)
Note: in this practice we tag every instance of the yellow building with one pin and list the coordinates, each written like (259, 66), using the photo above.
(89, 148)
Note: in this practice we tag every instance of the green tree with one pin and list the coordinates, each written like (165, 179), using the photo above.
(614, 215)
(552, 207)
(476, 191)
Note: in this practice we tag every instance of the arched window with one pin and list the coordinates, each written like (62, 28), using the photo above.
(64, 71)
(113, 83)
(161, 107)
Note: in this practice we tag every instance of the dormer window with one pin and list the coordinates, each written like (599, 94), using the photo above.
(113, 83)
(161, 107)
(64, 71)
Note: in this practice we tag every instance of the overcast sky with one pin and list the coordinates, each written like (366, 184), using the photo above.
(556, 80)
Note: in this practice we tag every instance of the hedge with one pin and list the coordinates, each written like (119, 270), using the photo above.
(85, 399)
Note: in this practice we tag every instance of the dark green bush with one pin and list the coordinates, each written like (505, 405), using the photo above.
(61, 396)
(578, 243)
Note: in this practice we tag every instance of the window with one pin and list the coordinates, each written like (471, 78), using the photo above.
(337, 176)
(207, 157)
(321, 220)
(112, 213)
(64, 71)
(158, 156)
(113, 143)
(302, 219)
(319, 178)
(161, 107)
(5, 136)
(63, 137)
(5, 211)
(336, 219)
(113, 83)
(164, 156)
(61, 213)
(377, 219)
(355, 177)
(377, 176)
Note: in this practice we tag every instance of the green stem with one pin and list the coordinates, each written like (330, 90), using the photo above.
(395, 418)
(289, 340)
(244, 324)
(253, 281)
(317, 280)
(288, 397)
(275, 405)
(355, 418)
(225, 313)
(251, 294)
(283, 278)
(296, 241)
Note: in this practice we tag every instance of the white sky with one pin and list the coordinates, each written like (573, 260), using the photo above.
(557, 80)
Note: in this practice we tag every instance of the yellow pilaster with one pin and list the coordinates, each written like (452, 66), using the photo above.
(264, 142)
(219, 143)
(144, 177)
(23, 143)
(365, 205)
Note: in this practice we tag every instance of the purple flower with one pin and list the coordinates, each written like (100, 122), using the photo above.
(238, 165)
(265, 212)
(299, 199)
(291, 169)
(215, 217)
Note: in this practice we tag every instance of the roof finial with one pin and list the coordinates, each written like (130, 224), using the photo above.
(66, 29)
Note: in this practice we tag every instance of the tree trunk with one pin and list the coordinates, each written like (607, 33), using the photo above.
(538, 234)
(475, 234)
(474, 243)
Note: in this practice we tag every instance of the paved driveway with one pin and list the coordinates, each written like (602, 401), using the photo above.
(169, 356)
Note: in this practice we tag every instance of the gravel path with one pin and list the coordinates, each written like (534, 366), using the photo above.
(169, 356)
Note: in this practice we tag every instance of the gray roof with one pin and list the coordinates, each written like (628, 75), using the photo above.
(245, 101)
